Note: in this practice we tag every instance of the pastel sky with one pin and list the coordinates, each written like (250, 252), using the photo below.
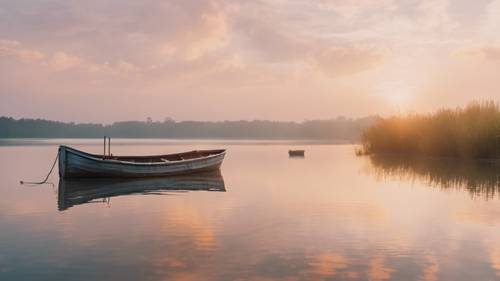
(103, 61)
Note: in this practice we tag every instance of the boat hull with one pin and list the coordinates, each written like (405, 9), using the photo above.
(296, 153)
(78, 164)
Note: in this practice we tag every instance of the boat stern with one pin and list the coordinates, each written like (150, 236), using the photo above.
(62, 161)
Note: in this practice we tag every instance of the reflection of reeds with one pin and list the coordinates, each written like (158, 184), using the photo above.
(470, 132)
(479, 179)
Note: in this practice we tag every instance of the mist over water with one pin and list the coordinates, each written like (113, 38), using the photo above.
(327, 216)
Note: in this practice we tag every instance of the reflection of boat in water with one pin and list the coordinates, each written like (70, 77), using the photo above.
(478, 178)
(78, 164)
(80, 191)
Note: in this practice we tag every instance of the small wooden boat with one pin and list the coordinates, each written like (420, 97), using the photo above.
(296, 153)
(73, 192)
(74, 163)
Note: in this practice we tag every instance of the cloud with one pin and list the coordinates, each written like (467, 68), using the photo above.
(305, 52)
(60, 61)
(205, 35)
(266, 35)
(435, 16)
(491, 23)
(350, 9)
(488, 54)
(14, 49)
(338, 61)
(262, 35)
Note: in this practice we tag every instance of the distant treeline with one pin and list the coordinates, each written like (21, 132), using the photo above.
(335, 129)
(470, 132)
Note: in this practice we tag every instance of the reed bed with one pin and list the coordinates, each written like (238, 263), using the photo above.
(471, 132)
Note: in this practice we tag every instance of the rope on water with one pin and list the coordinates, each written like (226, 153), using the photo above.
(48, 175)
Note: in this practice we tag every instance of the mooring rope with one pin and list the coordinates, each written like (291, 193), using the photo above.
(48, 175)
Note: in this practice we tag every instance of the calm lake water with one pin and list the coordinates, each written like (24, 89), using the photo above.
(327, 216)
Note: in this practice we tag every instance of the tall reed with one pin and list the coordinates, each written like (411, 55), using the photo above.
(469, 132)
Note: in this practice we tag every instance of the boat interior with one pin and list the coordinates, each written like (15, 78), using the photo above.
(165, 158)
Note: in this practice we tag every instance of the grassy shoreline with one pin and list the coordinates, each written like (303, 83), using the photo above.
(472, 132)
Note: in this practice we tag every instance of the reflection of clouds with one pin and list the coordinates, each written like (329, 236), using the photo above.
(183, 276)
(495, 259)
(378, 270)
(431, 270)
(483, 216)
(188, 243)
(365, 212)
(352, 275)
(353, 212)
(327, 264)
(189, 222)
(171, 262)
(279, 267)
(169, 267)
(260, 278)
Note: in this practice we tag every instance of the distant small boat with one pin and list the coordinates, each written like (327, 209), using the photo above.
(74, 163)
(296, 153)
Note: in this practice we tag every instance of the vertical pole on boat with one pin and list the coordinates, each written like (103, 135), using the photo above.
(104, 153)
(109, 146)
